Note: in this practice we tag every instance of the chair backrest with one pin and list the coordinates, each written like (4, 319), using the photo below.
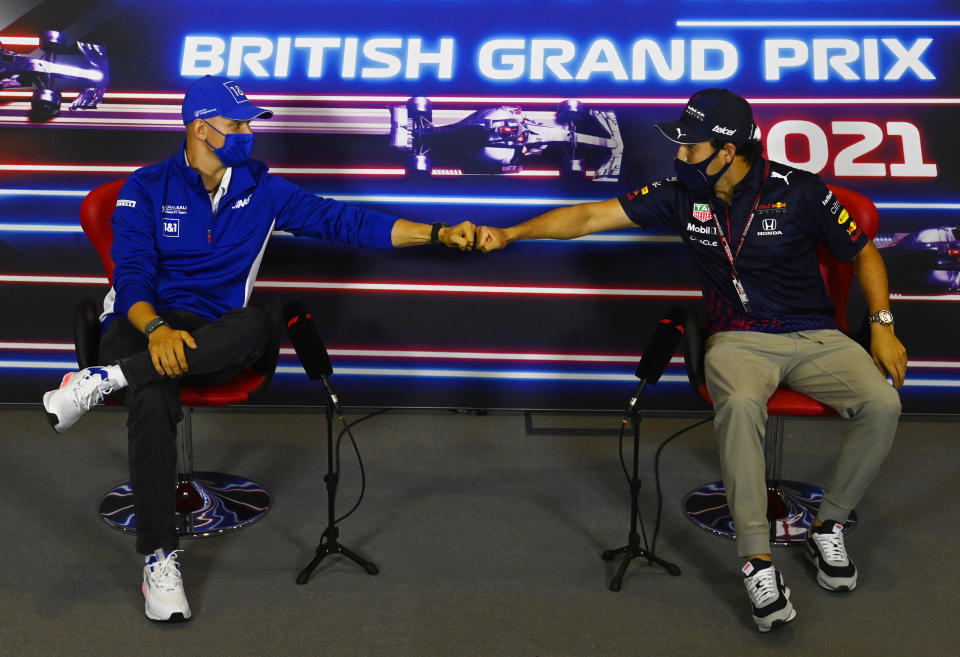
(95, 213)
(838, 276)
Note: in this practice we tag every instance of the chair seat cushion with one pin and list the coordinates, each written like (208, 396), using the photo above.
(785, 401)
(235, 391)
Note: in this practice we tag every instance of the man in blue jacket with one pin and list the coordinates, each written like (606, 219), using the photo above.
(188, 237)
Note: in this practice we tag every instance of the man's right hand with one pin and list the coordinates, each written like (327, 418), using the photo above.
(166, 350)
(491, 239)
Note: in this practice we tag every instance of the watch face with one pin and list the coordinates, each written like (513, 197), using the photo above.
(885, 317)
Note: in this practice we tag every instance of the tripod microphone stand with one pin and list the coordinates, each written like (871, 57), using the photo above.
(632, 549)
(330, 538)
(656, 356)
(316, 363)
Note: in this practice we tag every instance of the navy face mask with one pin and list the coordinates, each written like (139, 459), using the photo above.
(235, 150)
(694, 177)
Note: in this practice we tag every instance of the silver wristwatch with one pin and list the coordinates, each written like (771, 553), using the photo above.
(882, 317)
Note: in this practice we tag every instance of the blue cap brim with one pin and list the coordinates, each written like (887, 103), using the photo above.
(247, 112)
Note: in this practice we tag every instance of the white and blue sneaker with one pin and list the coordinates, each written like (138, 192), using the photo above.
(163, 595)
(826, 551)
(769, 596)
(79, 392)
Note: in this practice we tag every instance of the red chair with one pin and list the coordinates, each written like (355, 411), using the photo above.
(208, 503)
(791, 505)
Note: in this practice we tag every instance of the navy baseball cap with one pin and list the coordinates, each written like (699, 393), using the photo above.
(215, 96)
(712, 113)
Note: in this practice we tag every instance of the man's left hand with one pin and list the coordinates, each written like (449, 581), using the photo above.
(888, 353)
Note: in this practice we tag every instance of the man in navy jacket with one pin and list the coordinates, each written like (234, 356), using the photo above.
(753, 228)
(189, 234)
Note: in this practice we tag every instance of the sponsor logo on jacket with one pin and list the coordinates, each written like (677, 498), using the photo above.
(171, 227)
(242, 203)
(124, 203)
(701, 212)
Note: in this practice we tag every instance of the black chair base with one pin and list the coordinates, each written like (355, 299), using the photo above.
(791, 508)
(209, 503)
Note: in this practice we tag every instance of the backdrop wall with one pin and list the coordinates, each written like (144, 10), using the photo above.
(865, 93)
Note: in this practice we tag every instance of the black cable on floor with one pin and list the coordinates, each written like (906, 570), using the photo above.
(656, 476)
(363, 472)
(652, 547)
(356, 449)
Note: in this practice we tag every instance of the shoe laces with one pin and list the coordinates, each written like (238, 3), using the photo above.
(831, 546)
(762, 587)
(91, 389)
(165, 573)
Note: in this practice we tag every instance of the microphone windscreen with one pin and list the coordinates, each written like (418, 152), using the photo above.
(306, 341)
(663, 343)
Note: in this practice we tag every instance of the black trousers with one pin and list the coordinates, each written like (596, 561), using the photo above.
(224, 348)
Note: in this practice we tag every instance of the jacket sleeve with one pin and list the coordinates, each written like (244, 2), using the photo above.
(653, 205)
(134, 249)
(303, 213)
(831, 223)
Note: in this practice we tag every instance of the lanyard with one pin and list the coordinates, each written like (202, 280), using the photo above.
(731, 256)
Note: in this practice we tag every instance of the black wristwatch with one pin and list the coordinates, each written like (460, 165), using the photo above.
(882, 317)
(435, 232)
(153, 325)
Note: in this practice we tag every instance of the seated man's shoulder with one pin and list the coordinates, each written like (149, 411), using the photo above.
(790, 177)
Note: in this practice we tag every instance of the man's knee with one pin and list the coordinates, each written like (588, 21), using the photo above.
(883, 402)
(249, 327)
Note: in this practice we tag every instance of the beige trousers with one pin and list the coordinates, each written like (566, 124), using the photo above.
(742, 370)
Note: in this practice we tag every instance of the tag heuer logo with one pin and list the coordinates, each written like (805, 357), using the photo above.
(701, 212)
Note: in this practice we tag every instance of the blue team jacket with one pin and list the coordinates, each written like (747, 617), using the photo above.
(171, 250)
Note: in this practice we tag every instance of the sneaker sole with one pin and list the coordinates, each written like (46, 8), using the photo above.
(834, 585)
(51, 417)
(173, 617)
(779, 622)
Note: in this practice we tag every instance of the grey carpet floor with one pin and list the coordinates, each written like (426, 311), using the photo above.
(487, 536)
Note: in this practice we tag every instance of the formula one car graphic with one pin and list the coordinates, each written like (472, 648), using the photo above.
(925, 260)
(498, 139)
(85, 63)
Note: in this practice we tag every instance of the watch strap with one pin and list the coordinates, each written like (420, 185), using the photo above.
(435, 232)
(153, 325)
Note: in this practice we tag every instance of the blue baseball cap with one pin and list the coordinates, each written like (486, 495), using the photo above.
(712, 113)
(216, 96)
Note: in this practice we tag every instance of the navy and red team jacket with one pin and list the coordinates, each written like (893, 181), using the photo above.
(777, 264)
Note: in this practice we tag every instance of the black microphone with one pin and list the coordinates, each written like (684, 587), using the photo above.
(657, 354)
(309, 347)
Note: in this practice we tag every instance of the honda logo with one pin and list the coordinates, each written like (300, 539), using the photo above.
(769, 224)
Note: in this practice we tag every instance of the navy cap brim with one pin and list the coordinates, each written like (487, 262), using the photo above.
(682, 133)
(247, 112)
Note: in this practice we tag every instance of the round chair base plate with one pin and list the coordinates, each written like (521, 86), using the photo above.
(209, 503)
(791, 508)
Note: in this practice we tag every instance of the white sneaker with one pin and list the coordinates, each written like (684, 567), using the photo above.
(769, 597)
(77, 394)
(826, 551)
(164, 599)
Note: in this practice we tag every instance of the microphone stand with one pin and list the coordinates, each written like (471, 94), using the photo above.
(632, 549)
(329, 539)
